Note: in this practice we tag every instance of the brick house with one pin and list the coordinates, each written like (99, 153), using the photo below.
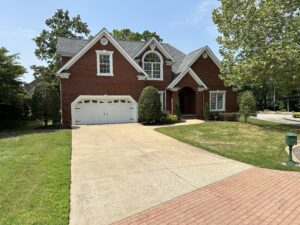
(101, 79)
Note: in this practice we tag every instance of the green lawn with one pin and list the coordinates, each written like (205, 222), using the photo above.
(257, 142)
(34, 176)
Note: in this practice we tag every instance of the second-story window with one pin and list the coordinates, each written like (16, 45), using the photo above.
(152, 64)
(104, 63)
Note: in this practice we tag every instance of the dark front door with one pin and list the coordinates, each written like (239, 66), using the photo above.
(187, 100)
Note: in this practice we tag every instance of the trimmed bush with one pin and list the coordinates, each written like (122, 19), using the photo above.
(247, 104)
(229, 116)
(168, 118)
(206, 111)
(296, 114)
(149, 108)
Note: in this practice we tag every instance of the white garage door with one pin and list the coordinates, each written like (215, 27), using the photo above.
(104, 109)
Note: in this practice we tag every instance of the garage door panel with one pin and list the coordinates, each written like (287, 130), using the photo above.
(112, 110)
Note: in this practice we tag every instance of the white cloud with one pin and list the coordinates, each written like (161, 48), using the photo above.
(201, 13)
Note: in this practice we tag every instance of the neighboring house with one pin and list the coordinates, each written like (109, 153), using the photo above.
(102, 79)
(29, 87)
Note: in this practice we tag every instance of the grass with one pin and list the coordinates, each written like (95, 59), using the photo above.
(257, 142)
(34, 176)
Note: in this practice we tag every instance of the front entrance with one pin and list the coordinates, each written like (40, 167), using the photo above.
(187, 100)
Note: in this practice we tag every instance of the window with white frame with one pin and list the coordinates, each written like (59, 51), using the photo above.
(104, 63)
(161, 96)
(152, 64)
(217, 100)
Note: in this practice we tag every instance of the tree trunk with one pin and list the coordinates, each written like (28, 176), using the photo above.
(46, 122)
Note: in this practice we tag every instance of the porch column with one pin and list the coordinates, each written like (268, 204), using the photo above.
(174, 99)
(200, 99)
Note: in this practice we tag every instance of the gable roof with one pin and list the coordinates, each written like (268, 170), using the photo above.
(190, 58)
(70, 47)
(130, 49)
(159, 46)
(193, 75)
(92, 42)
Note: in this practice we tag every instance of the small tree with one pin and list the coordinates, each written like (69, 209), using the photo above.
(206, 111)
(149, 108)
(247, 104)
(45, 102)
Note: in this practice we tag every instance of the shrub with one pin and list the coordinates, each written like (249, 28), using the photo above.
(229, 116)
(296, 114)
(149, 108)
(178, 111)
(45, 102)
(206, 111)
(168, 118)
(247, 104)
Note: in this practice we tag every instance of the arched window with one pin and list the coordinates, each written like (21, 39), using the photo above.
(152, 64)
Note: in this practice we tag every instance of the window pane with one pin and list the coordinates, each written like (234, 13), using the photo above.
(104, 64)
(151, 57)
(220, 100)
(156, 66)
(213, 101)
(156, 74)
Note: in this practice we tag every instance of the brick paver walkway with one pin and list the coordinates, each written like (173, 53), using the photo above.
(255, 196)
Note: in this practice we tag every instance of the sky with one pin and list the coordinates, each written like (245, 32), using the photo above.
(185, 24)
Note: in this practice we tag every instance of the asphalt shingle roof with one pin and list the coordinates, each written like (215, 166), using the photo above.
(69, 47)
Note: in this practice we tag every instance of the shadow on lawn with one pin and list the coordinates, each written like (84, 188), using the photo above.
(272, 126)
(30, 127)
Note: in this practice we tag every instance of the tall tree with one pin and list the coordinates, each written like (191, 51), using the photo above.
(11, 90)
(260, 42)
(45, 103)
(59, 25)
(128, 35)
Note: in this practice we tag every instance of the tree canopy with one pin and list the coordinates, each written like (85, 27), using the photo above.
(11, 90)
(45, 102)
(260, 42)
(59, 25)
(10, 74)
(128, 35)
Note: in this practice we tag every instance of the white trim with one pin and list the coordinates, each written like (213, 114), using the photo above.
(193, 75)
(102, 33)
(110, 54)
(201, 89)
(65, 75)
(162, 101)
(210, 54)
(224, 101)
(174, 89)
(204, 49)
(80, 97)
(161, 65)
(158, 45)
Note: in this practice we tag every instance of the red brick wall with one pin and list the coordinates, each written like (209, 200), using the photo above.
(167, 72)
(208, 72)
(84, 80)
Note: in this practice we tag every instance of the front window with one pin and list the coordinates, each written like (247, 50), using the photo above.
(104, 63)
(161, 96)
(217, 101)
(152, 65)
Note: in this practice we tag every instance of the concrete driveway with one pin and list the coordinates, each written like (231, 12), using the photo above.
(277, 118)
(120, 170)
